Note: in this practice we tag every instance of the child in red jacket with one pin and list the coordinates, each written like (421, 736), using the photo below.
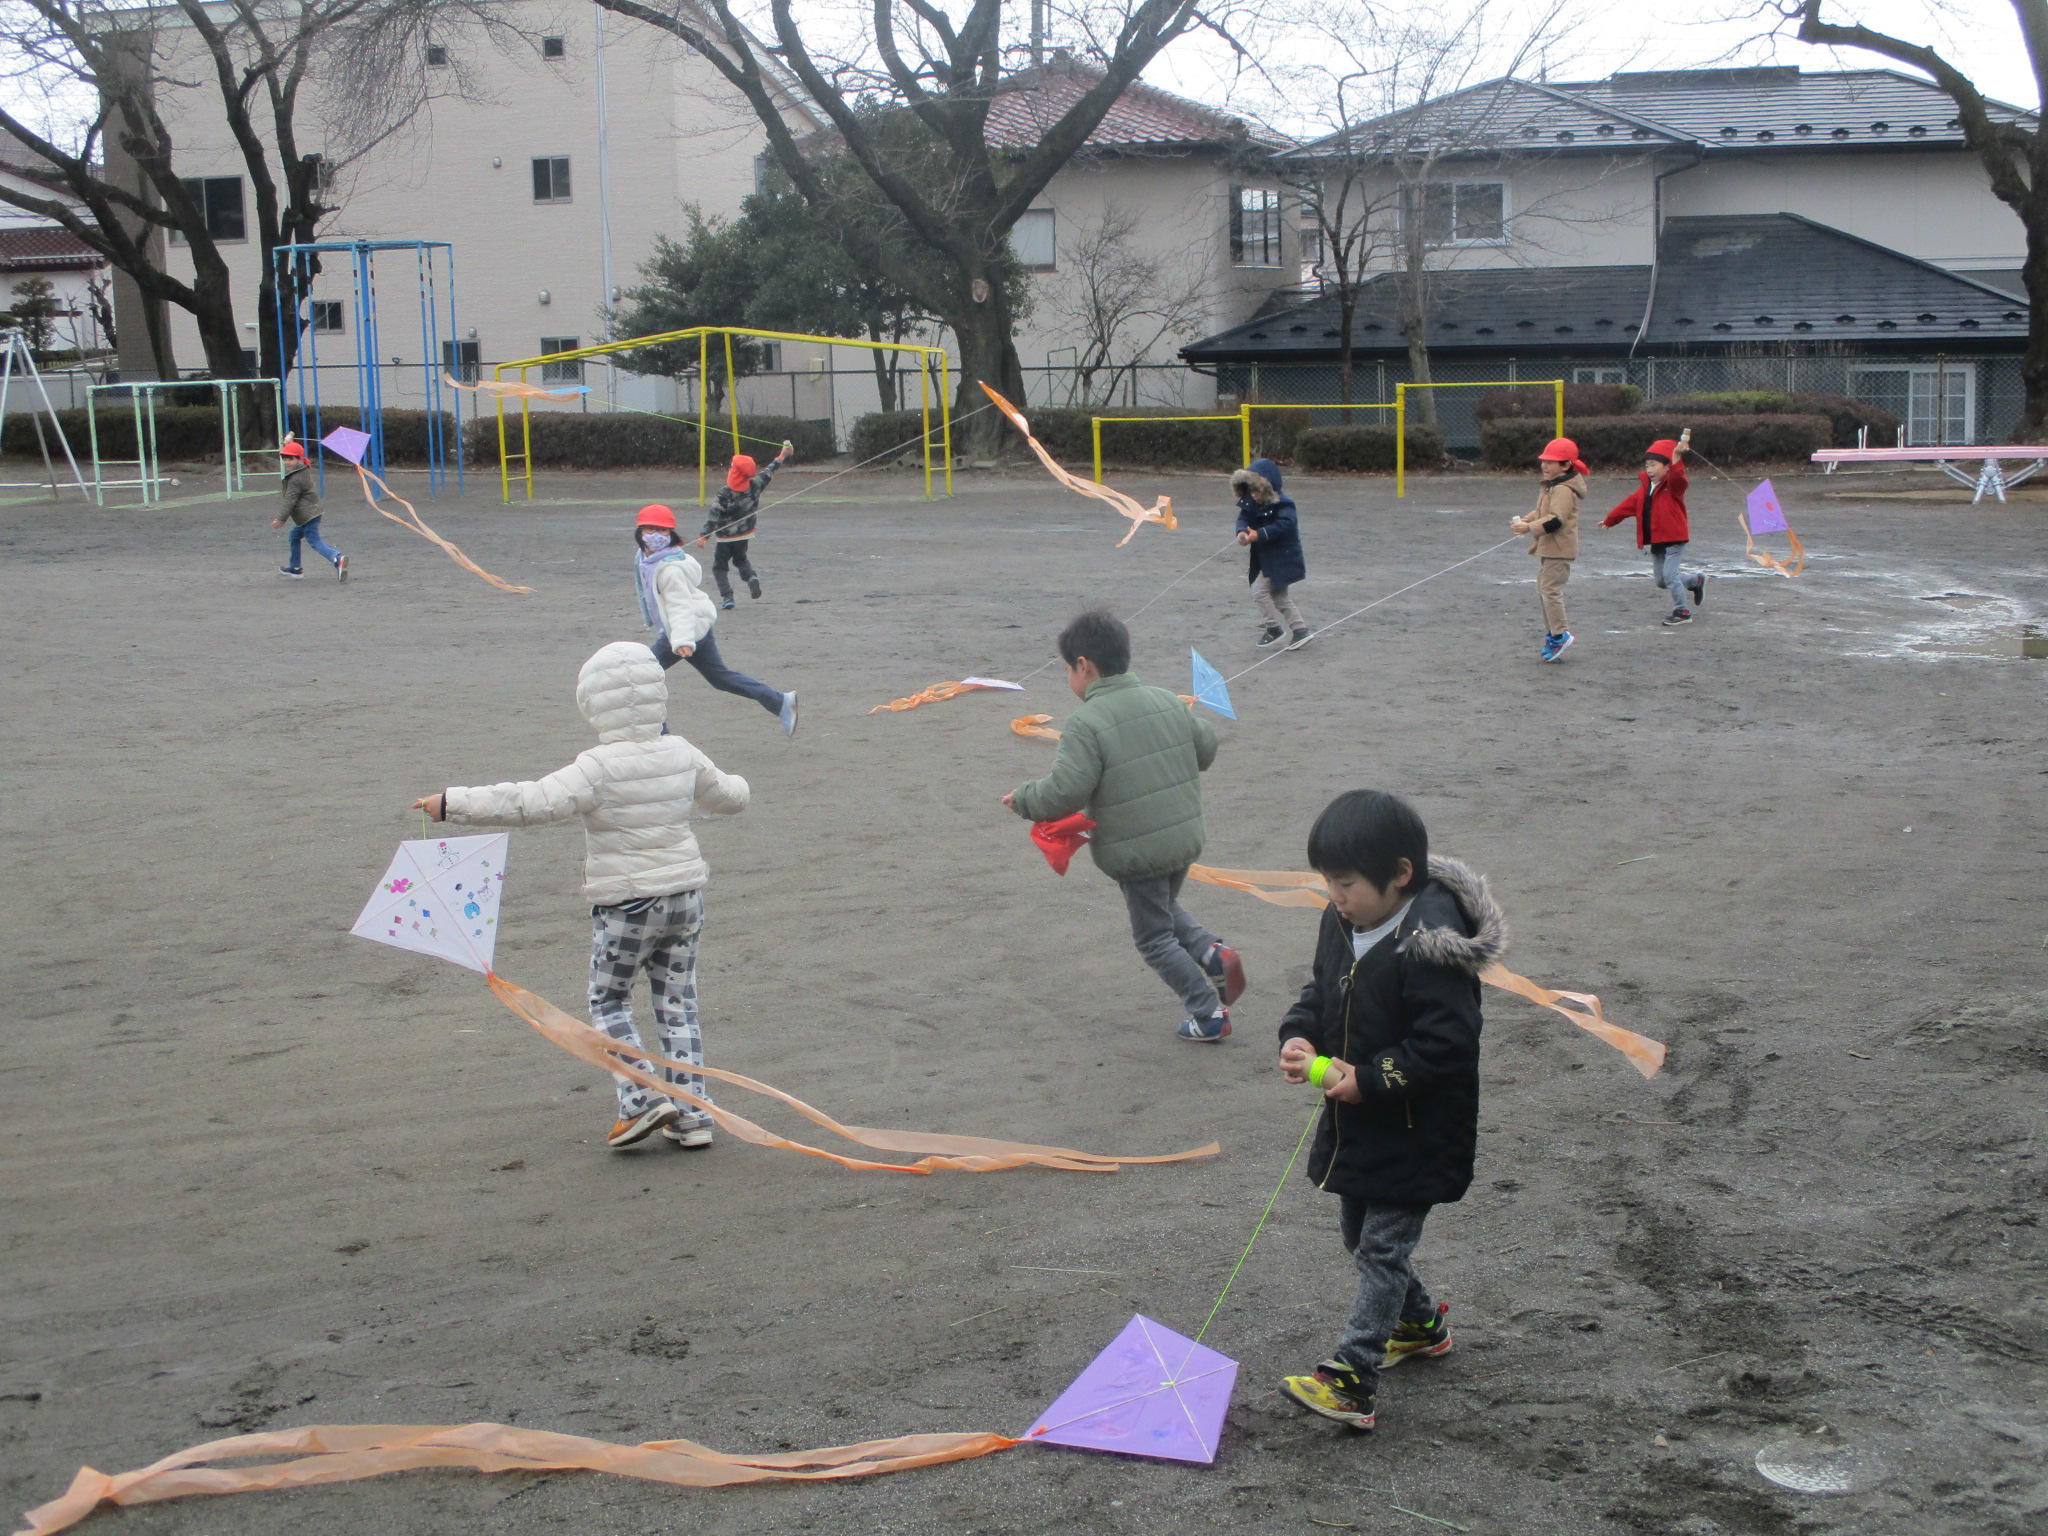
(1658, 506)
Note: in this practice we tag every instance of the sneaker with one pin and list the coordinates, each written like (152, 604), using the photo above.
(1677, 617)
(726, 605)
(1298, 639)
(1208, 1031)
(753, 586)
(341, 566)
(1226, 970)
(1336, 1391)
(787, 714)
(688, 1133)
(1427, 1340)
(1273, 635)
(285, 570)
(627, 1130)
(1698, 587)
(1553, 645)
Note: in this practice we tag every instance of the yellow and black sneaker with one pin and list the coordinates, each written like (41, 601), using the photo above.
(1428, 1339)
(1336, 1391)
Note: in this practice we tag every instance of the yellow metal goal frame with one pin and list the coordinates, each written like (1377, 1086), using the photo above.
(1401, 414)
(928, 358)
(1242, 416)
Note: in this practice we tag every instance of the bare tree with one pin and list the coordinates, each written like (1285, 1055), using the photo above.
(113, 177)
(2012, 145)
(941, 69)
(1117, 303)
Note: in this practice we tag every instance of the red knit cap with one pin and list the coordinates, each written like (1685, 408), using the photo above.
(740, 474)
(1664, 448)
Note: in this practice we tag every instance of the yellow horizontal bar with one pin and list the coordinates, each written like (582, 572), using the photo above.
(634, 343)
(1317, 405)
(1488, 384)
(1107, 419)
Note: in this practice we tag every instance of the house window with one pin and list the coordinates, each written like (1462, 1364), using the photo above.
(1031, 238)
(1599, 375)
(552, 48)
(326, 316)
(220, 204)
(551, 179)
(1938, 405)
(1254, 227)
(461, 361)
(1462, 212)
(320, 173)
(437, 56)
(771, 356)
(570, 372)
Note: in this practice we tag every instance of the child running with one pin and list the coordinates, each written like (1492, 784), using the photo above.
(731, 520)
(1133, 758)
(1554, 527)
(302, 510)
(1658, 506)
(1388, 1028)
(673, 603)
(635, 792)
(1269, 525)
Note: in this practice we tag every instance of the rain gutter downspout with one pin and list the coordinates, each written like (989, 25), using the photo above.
(1657, 244)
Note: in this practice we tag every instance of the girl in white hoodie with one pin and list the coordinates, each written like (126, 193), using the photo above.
(635, 792)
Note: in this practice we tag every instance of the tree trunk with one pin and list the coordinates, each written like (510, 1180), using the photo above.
(988, 353)
(1415, 328)
(2033, 423)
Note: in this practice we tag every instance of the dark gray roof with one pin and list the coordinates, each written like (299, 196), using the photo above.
(1722, 281)
(1494, 116)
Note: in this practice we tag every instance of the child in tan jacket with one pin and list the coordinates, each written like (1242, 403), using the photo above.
(1554, 531)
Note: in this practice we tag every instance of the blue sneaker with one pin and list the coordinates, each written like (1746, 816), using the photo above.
(1554, 645)
(1207, 1031)
(787, 714)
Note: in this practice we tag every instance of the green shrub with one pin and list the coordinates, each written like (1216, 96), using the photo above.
(761, 436)
(630, 439)
(183, 432)
(1149, 444)
(405, 432)
(1534, 403)
(1618, 442)
(1367, 448)
(1844, 415)
(884, 432)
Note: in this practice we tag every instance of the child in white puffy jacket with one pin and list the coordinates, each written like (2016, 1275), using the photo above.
(635, 792)
(676, 608)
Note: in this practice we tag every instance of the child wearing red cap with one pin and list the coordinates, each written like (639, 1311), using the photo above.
(1658, 506)
(302, 510)
(731, 520)
(673, 603)
(1554, 531)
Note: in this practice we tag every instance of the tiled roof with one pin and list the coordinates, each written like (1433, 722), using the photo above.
(47, 249)
(1028, 103)
(1727, 280)
(1498, 116)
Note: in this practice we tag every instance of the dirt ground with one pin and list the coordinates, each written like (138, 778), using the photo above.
(259, 1173)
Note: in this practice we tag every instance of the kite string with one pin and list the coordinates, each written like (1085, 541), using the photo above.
(1183, 576)
(1271, 1201)
(871, 458)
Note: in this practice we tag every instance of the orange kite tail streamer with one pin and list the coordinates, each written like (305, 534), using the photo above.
(412, 521)
(1036, 726)
(944, 1154)
(937, 693)
(341, 1453)
(1298, 888)
(1160, 512)
(1764, 558)
(512, 390)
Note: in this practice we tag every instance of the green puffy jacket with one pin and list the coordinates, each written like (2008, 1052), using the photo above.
(1131, 757)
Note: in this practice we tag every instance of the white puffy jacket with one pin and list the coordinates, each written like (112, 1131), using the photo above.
(686, 609)
(636, 790)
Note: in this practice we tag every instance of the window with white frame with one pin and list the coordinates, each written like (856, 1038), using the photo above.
(220, 204)
(1461, 212)
(1033, 241)
(1599, 375)
(462, 361)
(1254, 227)
(326, 316)
(569, 372)
(1938, 405)
(551, 179)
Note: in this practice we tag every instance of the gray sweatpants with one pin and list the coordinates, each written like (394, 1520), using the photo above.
(1170, 941)
(1381, 1239)
(658, 936)
(1274, 604)
(1667, 565)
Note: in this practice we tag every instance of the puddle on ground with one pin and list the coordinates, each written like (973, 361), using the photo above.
(2029, 642)
(1821, 1465)
(1960, 599)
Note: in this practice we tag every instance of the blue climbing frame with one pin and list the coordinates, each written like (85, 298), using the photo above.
(298, 271)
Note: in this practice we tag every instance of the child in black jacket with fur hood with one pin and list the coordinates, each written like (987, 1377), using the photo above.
(1388, 1029)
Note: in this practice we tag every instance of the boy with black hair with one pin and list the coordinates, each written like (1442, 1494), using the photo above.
(1388, 1029)
(1132, 757)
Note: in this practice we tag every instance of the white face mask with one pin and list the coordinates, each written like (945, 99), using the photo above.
(655, 540)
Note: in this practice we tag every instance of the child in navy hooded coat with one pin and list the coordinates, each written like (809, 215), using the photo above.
(1268, 525)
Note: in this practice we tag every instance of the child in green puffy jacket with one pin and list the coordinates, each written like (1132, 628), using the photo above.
(1133, 757)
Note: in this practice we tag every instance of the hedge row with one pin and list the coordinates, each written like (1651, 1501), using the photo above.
(1617, 442)
(1366, 448)
(624, 440)
(1536, 403)
(1844, 415)
(190, 432)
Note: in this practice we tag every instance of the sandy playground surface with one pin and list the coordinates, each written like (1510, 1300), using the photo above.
(259, 1173)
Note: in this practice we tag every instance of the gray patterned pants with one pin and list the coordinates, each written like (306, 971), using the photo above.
(657, 935)
(1382, 1239)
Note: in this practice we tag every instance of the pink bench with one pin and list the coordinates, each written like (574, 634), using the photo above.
(1990, 475)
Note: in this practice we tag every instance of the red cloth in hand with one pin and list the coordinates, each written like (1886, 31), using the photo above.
(1060, 840)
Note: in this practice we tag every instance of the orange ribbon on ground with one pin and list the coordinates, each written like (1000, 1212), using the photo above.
(1761, 558)
(1160, 512)
(512, 390)
(1298, 888)
(944, 1154)
(937, 693)
(1038, 726)
(425, 532)
(340, 1453)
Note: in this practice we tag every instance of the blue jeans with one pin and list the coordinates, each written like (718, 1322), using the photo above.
(1667, 566)
(712, 668)
(309, 532)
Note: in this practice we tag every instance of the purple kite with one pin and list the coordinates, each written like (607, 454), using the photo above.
(347, 442)
(1151, 1393)
(1765, 515)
